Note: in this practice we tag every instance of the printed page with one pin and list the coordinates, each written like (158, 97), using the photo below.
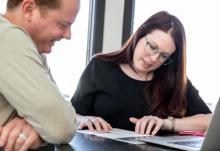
(117, 134)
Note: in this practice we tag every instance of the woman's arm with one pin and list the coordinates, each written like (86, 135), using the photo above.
(84, 99)
(150, 125)
(199, 122)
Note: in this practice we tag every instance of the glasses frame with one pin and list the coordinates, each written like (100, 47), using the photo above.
(157, 50)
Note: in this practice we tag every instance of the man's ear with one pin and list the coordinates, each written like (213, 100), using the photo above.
(28, 7)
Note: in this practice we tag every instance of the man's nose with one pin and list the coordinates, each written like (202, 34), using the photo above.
(67, 34)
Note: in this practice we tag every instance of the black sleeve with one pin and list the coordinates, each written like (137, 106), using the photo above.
(83, 98)
(195, 104)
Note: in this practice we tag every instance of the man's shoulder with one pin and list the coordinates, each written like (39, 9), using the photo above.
(16, 33)
(12, 32)
(15, 38)
(16, 44)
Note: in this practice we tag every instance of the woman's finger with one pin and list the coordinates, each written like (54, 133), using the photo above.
(157, 127)
(151, 124)
(133, 120)
(89, 124)
(97, 124)
(143, 126)
(105, 126)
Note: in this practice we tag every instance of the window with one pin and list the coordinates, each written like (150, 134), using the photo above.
(200, 19)
(68, 58)
(2, 6)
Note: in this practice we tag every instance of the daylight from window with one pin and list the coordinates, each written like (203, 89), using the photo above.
(201, 21)
(68, 58)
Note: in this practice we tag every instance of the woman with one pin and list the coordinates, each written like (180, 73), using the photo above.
(143, 86)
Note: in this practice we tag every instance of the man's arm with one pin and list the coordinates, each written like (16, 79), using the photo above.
(26, 85)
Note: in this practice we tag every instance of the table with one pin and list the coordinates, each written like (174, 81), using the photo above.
(86, 142)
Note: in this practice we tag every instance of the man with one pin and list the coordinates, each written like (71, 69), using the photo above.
(30, 103)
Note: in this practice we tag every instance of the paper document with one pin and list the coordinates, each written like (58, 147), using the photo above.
(117, 134)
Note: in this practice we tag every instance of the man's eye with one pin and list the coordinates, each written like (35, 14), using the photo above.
(62, 26)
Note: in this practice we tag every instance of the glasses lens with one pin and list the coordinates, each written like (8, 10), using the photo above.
(150, 48)
(168, 61)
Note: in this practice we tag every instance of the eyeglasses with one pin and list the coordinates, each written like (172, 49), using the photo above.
(153, 49)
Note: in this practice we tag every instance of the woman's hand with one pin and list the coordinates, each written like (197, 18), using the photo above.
(93, 123)
(149, 125)
(18, 135)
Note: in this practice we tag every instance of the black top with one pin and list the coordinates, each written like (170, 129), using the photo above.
(105, 91)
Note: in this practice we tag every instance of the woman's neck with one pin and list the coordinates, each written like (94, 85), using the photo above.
(141, 76)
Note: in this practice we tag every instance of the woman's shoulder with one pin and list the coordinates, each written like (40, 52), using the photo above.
(190, 86)
(97, 61)
(98, 65)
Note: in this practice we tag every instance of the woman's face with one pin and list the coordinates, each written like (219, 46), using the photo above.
(152, 51)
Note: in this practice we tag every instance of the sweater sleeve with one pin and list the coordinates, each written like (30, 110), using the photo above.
(26, 85)
(195, 104)
(83, 98)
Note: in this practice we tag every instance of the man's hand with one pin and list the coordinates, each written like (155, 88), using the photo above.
(18, 135)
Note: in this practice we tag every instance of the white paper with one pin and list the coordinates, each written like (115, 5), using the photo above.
(117, 134)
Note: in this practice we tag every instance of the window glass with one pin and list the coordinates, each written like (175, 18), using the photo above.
(68, 58)
(2, 6)
(201, 21)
